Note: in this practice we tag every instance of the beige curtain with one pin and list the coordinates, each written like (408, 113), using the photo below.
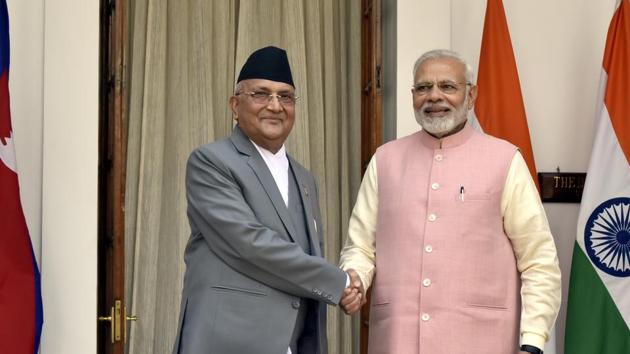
(183, 60)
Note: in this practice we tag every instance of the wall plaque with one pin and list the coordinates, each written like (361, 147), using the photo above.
(561, 187)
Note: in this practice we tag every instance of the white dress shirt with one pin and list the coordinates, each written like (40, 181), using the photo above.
(278, 165)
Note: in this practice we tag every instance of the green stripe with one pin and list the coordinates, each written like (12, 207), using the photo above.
(594, 324)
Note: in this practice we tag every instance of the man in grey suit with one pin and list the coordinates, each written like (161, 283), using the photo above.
(255, 278)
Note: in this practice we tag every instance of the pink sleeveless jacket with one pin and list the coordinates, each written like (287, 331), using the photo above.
(446, 277)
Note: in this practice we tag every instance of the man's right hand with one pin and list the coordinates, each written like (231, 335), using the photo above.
(353, 297)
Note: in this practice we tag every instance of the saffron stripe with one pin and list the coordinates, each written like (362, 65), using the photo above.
(617, 66)
(499, 107)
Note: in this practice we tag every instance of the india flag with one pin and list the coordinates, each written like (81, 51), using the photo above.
(598, 315)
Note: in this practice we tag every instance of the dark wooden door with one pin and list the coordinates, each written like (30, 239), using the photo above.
(371, 107)
(113, 318)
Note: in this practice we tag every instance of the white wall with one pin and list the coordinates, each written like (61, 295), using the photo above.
(422, 25)
(54, 99)
(559, 47)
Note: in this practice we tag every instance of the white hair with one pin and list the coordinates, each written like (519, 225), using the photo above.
(238, 87)
(444, 53)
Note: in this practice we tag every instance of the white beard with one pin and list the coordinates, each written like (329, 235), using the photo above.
(442, 126)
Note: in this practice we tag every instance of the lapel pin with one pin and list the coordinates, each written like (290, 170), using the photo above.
(305, 191)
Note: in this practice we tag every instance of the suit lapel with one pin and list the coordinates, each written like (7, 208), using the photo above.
(306, 194)
(258, 165)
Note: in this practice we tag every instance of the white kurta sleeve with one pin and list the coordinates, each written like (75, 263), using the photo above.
(526, 226)
(360, 249)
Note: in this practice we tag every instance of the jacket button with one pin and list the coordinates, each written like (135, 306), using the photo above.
(295, 304)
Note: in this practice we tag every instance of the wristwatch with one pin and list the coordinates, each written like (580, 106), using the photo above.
(531, 349)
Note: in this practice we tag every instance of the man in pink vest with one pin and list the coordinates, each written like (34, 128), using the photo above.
(449, 230)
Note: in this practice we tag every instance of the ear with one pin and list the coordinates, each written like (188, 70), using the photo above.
(472, 96)
(234, 102)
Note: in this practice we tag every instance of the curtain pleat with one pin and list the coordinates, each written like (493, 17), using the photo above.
(184, 57)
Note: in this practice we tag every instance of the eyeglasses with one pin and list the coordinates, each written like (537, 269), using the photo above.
(260, 97)
(447, 87)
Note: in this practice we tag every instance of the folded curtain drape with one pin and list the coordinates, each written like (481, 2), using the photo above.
(183, 58)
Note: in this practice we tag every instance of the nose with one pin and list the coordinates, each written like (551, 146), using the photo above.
(435, 94)
(274, 104)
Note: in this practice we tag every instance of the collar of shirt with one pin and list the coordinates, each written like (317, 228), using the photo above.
(278, 165)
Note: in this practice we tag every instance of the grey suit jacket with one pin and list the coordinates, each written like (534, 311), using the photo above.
(244, 275)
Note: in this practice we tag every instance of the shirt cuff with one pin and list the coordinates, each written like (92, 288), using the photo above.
(347, 280)
(533, 339)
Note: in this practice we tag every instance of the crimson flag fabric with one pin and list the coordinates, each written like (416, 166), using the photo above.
(499, 109)
(20, 293)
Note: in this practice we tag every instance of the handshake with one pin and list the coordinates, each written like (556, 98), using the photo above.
(353, 297)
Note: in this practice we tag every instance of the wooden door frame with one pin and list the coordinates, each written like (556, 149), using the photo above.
(371, 80)
(112, 170)
(371, 109)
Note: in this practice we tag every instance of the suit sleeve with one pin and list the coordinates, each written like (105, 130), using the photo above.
(219, 211)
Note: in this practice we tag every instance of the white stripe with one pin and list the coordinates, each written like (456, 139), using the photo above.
(7, 153)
